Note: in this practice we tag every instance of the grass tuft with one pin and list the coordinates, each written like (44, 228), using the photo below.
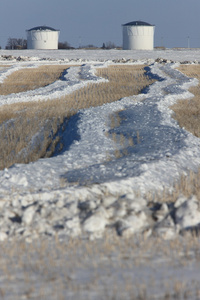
(187, 112)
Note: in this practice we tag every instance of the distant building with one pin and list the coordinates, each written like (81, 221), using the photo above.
(138, 35)
(42, 37)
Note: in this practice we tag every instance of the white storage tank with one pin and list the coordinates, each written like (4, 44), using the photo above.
(42, 37)
(138, 35)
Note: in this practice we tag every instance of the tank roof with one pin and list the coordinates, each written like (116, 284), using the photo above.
(42, 28)
(137, 23)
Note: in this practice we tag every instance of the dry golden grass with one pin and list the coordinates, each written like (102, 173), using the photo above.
(27, 119)
(31, 78)
(18, 133)
(124, 81)
(187, 112)
(4, 66)
(185, 186)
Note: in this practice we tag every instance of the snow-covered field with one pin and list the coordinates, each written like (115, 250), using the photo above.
(102, 55)
(87, 190)
(88, 173)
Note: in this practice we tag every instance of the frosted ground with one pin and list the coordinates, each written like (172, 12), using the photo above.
(87, 190)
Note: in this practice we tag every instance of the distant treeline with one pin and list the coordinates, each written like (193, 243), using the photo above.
(20, 43)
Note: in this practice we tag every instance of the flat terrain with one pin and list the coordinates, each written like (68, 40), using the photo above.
(68, 233)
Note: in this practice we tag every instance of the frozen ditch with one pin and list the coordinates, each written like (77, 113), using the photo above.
(88, 188)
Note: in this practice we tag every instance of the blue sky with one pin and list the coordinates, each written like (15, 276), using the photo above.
(83, 22)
